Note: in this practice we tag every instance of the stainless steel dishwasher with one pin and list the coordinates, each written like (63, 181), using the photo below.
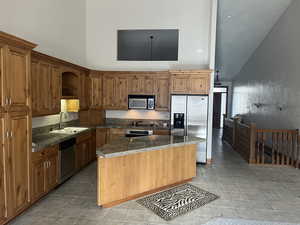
(67, 159)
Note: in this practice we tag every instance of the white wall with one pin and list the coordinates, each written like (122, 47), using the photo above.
(105, 17)
(57, 26)
(272, 77)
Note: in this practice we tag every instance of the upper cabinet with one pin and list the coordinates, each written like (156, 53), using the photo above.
(15, 73)
(45, 86)
(95, 90)
(190, 82)
(115, 91)
(53, 79)
(70, 84)
(162, 93)
(84, 100)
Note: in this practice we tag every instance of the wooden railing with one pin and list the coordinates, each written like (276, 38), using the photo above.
(263, 146)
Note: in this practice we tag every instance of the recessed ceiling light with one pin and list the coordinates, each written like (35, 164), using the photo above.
(229, 17)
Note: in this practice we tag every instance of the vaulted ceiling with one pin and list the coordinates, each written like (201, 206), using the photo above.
(242, 26)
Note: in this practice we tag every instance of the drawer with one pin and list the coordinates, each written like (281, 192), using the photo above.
(84, 137)
(52, 150)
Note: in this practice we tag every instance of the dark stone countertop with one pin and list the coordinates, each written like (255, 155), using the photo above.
(125, 146)
(134, 127)
(44, 140)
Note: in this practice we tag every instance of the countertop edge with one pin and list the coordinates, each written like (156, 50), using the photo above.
(129, 152)
(40, 146)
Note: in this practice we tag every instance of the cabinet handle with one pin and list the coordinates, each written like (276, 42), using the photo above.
(7, 134)
(9, 101)
(11, 134)
(6, 101)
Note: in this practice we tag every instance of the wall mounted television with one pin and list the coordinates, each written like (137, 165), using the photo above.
(148, 45)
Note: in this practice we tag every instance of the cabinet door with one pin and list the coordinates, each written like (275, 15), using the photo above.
(35, 87)
(199, 84)
(96, 91)
(180, 84)
(3, 181)
(17, 79)
(38, 179)
(83, 97)
(52, 171)
(121, 93)
(44, 82)
(162, 94)
(3, 94)
(18, 160)
(136, 85)
(55, 89)
(101, 137)
(148, 85)
(109, 92)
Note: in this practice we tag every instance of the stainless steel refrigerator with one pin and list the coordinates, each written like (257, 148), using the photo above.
(189, 115)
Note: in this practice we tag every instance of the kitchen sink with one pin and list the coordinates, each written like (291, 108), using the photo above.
(69, 130)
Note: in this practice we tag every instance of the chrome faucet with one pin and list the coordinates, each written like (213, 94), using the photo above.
(60, 120)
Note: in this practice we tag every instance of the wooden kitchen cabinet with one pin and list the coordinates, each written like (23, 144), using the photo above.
(115, 92)
(190, 82)
(84, 91)
(2, 89)
(15, 125)
(18, 125)
(115, 133)
(180, 84)
(109, 92)
(45, 170)
(162, 94)
(199, 84)
(101, 137)
(16, 79)
(137, 84)
(96, 92)
(83, 150)
(3, 175)
(55, 94)
(45, 86)
(121, 98)
(149, 85)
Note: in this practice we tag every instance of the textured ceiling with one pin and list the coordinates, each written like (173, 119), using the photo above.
(242, 26)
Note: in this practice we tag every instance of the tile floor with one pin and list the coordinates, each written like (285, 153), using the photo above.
(247, 192)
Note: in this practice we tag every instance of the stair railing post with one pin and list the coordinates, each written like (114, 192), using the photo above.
(253, 135)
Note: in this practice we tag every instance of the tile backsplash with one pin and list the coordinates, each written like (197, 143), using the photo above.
(53, 119)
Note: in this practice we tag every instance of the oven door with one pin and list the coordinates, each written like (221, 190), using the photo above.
(137, 103)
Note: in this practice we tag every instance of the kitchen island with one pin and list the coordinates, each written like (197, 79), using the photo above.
(129, 168)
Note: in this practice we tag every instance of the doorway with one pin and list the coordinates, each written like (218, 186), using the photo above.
(220, 106)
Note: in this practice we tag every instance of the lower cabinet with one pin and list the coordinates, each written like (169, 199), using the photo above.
(44, 173)
(85, 150)
(101, 137)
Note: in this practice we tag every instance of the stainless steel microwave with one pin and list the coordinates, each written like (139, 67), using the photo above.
(141, 102)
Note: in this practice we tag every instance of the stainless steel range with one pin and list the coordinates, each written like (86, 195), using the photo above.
(138, 133)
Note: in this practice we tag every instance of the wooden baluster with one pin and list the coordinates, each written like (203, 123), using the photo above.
(281, 149)
(257, 149)
(263, 148)
(298, 152)
(278, 148)
(290, 147)
(273, 156)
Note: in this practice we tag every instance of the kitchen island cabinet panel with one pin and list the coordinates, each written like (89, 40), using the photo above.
(130, 176)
